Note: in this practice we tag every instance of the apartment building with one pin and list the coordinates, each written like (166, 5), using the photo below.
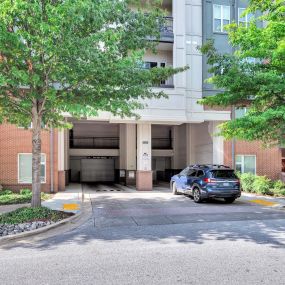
(170, 133)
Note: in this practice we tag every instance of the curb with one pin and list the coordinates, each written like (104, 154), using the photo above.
(40, 230)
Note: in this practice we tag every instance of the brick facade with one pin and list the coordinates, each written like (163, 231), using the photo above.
(268, 160)
(15, 140)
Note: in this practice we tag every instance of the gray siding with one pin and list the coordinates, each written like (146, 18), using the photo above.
(221, 39)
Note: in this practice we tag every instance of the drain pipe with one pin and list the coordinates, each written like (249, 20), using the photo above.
(51, 160)
(233, 142)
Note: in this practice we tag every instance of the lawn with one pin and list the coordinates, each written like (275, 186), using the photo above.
(7, 197)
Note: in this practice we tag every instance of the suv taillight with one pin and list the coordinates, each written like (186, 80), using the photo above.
(209, 180)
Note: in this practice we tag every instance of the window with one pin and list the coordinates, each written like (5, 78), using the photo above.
(223, 174)
(246, 163)
(245, 19)
(200, 173)
(25, 168)
(221, 15)
(240, 112)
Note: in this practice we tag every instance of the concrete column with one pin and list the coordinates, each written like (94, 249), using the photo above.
(61, 160)
(179, 147)
(144, 169)
(128, 154)
(218, 144)
(190, 144)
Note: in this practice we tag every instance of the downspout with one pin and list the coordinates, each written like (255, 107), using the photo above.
(51, 160)
(233, 142)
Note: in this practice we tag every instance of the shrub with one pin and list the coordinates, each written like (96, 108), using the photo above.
(279, 188)
(24, 215)
(262, 185)
(5, 192)
(247, 180)
(25, 192)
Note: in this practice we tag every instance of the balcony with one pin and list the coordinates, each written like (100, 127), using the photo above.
(161, 143)
(94, 143)
(166, 32)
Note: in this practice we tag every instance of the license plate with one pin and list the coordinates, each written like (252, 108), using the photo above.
(226, 184)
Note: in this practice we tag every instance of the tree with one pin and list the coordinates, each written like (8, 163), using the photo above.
(75, 56)
(254, 76)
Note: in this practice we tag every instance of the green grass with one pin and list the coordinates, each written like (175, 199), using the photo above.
(8, 198)
(25, 215)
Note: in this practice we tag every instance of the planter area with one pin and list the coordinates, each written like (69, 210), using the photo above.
(7, 197)
(28, 219)
(261, 185)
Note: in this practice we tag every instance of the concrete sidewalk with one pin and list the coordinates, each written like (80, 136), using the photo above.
(263, 200)
(69, 201)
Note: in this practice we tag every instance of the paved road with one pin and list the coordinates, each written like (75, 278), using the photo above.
(156, 238)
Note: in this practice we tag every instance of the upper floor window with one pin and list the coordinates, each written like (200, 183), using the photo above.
(222, 16)
(243, 19)
(240, 112)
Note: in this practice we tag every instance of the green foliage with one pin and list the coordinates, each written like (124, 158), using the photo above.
(247, 180)
(278, 188)
(23, 215)
(7, 197)
(77, 56)
(257, 83)
(262, 185)
(5, 192)
(25, 192)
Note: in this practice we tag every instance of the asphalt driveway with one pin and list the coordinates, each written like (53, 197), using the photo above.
(119, 206)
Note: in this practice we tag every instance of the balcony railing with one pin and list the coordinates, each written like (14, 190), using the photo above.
(94, 143)
(161, 143)
(166, 32)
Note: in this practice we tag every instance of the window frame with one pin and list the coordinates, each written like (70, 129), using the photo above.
(221, 7)
(45, 164)
(242, 162)
(246, 22)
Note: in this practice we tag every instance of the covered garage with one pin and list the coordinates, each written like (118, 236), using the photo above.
(92, 169)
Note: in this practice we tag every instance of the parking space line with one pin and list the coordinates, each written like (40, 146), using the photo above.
(264, 202)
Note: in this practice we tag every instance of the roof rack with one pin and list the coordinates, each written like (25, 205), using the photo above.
(209, 166)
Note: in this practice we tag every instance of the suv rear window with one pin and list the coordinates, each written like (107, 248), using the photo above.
(223, 174)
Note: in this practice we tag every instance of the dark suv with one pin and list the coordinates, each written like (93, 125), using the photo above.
(207, 181)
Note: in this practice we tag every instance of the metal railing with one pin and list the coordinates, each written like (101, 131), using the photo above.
(94, 142)
(161, 143)
(166, 31)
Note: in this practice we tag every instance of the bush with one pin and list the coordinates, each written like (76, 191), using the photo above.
(262, 185)
(247, 180)
(278, 188)
(24, 215)
(25, 192)
(5, 192)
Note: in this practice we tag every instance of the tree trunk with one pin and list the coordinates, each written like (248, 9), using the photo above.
(36, 159)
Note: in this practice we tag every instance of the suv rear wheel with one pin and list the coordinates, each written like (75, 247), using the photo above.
(197, 195)
(229, 200)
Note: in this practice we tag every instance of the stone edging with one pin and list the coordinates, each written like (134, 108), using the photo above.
(40, 230)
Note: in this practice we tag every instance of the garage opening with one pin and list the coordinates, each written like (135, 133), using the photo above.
(92, 169)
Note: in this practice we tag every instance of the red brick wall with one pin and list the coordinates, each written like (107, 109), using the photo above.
(268, 160)
(14, 140)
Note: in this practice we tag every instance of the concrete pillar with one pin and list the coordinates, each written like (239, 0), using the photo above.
(190, 144)
(218, 144)
(62, 160)
(144, 169)
(127, 154)
(179, 147)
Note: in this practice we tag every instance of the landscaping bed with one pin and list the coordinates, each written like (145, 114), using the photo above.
(7, 197)
(261, 185)
(28, 219)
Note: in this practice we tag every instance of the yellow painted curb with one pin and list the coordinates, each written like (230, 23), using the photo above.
(70, 207)
(264, 202)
